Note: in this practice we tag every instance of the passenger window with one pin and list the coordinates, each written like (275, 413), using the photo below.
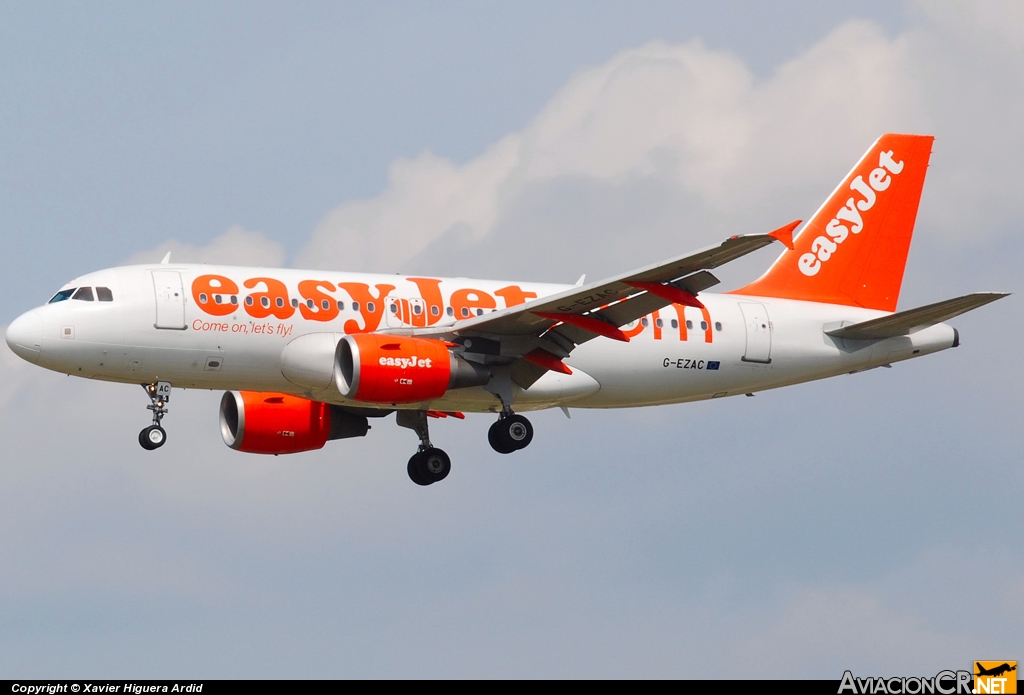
(417, 309)
(435, 310)
(659, 323)
(309, 303)
(643, 322)
(370, 306)
(280, 302)
(62, 295)
(265, 301)
(234, 300)
(325, 304)
(479, 312)
(675, 324)
(217, 299)
(718, 325)
(104, 294)
(248, 300)
(465, 312)
(84, 294)
(295, 303)
(355, 306)
(341, 306)
(689, 324)
(394, 308)
(703, 325)
(451, 312)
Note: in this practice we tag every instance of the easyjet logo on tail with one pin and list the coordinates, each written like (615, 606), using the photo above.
(833, 259)
(849, 219)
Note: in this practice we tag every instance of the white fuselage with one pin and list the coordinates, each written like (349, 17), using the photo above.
(156, 328)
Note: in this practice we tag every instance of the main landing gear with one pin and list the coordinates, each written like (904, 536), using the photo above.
(510, 433)
(154, 436)
(429, 464)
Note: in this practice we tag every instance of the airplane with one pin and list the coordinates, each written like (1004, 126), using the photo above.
(309, 356)
(995, 671)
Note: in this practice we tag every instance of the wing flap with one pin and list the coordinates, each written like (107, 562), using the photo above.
(913, 320)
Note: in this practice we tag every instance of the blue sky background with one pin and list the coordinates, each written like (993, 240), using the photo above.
(864, 522)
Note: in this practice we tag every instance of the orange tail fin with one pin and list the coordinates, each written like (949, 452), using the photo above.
(853, 251)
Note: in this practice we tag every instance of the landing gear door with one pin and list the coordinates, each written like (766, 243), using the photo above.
(759, 333)
(170, 300)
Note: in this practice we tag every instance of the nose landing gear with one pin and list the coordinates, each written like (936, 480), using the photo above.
(428, 465)
(510, 433)
(154, 436)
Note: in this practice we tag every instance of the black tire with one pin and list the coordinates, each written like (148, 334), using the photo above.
(415, 470)
(152, 437)
(434, 465)
(498, 440)
(518, 430)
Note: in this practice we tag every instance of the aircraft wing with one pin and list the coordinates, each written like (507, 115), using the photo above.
(558, 323)
(913, 320)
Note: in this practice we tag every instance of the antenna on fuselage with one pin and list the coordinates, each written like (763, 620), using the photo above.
(167, 259)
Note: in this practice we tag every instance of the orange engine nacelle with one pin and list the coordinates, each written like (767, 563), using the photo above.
(376, 368)
(276, 423)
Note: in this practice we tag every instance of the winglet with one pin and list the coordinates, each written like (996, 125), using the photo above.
(785, 234)
(167, 259)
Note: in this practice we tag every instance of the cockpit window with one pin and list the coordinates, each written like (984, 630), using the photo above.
(84, 294)
(62, 295)
(104, 294)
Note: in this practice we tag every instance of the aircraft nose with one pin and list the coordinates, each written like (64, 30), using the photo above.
(25, 336)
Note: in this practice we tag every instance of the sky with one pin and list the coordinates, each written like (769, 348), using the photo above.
(864, 522)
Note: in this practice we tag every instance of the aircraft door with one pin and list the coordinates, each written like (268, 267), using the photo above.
(417, 312)
(759, 333)
(405, 312)
(393, 312)
(170, 300)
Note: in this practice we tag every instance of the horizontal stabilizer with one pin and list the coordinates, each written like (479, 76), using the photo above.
(913, 320)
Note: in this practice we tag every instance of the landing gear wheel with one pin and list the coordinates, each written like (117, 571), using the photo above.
(429, 466)
(153, 437)
(498, 442)
(519, 430)
(415, 470)
(510, 434)
(435, 464)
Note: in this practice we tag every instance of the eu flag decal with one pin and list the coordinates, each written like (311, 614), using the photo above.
(713, 364)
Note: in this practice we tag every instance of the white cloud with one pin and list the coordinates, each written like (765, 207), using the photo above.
(690, 123)
(236, 246)
(667, 147)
